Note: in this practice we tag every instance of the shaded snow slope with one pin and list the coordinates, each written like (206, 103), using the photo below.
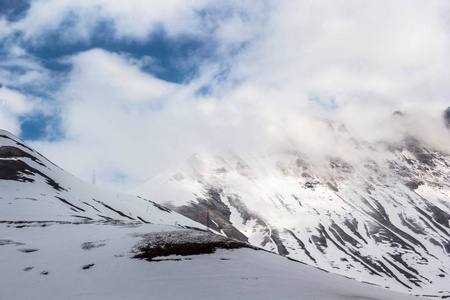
(94, 261)
(382, 218)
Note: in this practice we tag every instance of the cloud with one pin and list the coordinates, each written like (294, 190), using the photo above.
(20, 70)
(74, 21)
(13, 105)
(279, 72)
(392, 49)
(122, 122)
(369, 58)
(99, 72)
(108, 108)
(26, 88)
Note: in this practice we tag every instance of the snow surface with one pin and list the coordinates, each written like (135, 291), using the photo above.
(225, 274)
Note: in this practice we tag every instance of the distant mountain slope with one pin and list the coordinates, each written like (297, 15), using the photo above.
(33, 188)
(383, 219)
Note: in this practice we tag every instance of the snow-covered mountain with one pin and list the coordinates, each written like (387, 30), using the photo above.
(33, 188)
(382, 217)
(61, 238)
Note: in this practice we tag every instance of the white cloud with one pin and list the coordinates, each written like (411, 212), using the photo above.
(383, 47)
(99, 73)
(119, 120)
(13, 105)
(14, 101)
(20, 70)
(109, 108)
(134, 18)
(371, 58)
(299, 63)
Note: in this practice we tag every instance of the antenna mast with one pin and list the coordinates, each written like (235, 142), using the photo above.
(207, 219)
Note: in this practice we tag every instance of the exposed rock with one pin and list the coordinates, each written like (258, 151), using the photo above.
(447, 117)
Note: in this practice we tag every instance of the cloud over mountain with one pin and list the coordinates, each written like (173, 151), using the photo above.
(252, 77)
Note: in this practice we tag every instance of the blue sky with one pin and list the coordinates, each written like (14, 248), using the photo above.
(128, 90)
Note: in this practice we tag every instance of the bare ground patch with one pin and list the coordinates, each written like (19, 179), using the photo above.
(92, 245)
(28, 250)
(88, 266)
(183, 242)
(10, 242)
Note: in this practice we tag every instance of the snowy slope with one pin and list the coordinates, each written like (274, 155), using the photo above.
(383, 219)
(61, 238)
(93, 261)
(33, 188)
